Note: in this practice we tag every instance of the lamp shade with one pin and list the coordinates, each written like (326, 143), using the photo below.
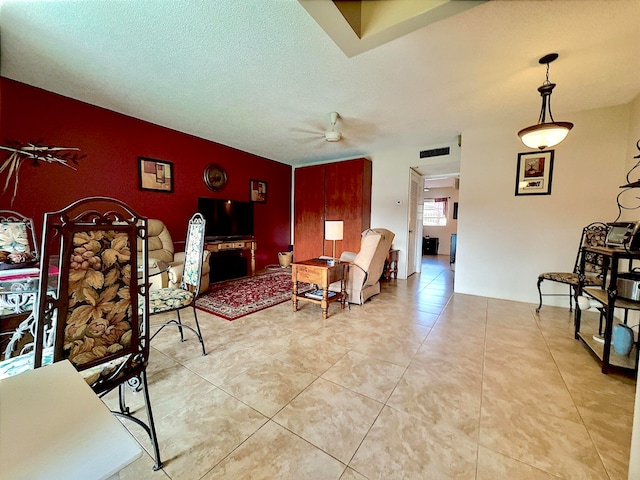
(545, 135)
(333, 230)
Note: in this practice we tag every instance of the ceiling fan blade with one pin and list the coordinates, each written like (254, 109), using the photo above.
(317, 133)
(308, 139)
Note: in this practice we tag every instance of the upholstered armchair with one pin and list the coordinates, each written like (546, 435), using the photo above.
(165, 266)
(366, 266)
(160, 248)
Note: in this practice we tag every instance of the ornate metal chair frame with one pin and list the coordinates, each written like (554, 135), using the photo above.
(19, 303)
(11, 216)
(175, 299)
(100, 283)
(593, 235)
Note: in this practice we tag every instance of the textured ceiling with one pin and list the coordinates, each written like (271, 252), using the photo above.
(262, 76)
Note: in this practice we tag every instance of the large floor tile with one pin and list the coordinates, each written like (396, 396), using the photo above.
(274, 453)
(270, 386)
(432, 391)
(330, 417)
(367, 376)
(494, 466)
(558, 446)
(400, 445)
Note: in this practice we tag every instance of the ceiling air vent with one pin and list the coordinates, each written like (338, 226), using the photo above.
(435, 152)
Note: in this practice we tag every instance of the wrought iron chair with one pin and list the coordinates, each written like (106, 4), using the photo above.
(100, 308)
(17, 236)
(593, 235)
(174, 299)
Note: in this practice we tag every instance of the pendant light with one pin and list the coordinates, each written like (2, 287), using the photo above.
(545, 134)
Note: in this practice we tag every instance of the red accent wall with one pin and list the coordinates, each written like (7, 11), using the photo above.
(112, 143)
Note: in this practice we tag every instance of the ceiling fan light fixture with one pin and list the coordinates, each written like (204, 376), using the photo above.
(545, 134)
(332, 136)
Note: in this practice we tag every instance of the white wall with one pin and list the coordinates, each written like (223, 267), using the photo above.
(505, 241)
(390, 185)
(632, 151)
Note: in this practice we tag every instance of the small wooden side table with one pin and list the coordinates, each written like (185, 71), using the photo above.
(391, 264)
(321, 273)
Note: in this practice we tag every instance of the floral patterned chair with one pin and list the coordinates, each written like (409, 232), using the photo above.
(593, 235)
(100, 311)
(18, 239)
(174, 299)
(17, 234)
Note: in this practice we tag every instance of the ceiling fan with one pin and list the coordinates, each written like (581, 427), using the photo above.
(331, 135)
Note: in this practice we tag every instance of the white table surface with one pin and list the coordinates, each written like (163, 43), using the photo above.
(52, 425)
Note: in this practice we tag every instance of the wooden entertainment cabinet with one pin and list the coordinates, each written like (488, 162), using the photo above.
(237, 244)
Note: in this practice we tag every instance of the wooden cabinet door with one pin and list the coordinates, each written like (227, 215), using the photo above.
(309, 201)
(332, 191)
(348, 198)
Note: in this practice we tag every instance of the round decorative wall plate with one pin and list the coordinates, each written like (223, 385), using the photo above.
(215, 177)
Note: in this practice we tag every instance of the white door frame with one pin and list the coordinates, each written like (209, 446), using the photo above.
(414, 225)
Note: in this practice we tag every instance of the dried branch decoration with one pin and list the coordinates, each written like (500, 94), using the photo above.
(37, 153)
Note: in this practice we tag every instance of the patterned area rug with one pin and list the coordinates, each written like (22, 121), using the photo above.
(236, 298)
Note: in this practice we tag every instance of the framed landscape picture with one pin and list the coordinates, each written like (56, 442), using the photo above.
(155, 175)
(534, 173)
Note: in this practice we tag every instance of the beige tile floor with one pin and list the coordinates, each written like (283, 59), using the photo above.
(418, 383)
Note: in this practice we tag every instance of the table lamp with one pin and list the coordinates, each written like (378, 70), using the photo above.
(333, 230)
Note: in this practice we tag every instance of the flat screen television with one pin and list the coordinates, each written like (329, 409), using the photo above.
(226, 218)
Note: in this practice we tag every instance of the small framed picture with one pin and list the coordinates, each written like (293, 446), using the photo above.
(534, 174)
(155, 175)
(258, 191)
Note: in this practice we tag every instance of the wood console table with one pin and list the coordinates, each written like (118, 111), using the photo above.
(235, 244)
(321, 273)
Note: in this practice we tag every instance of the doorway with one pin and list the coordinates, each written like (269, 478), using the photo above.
(440, 226)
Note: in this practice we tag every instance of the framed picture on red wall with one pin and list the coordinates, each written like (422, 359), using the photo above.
(258, 191)
(156, 175)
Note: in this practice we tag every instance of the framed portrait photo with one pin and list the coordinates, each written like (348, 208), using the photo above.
(155, 175)
(258, 191)
(534, 173)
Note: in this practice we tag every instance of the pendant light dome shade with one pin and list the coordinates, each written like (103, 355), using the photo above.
(545, 134)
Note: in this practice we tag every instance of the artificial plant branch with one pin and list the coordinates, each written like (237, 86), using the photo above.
(37, 153)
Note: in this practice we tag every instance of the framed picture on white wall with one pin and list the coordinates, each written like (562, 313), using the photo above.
(534, 173)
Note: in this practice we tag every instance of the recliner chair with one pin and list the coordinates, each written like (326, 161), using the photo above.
(161, 250)
(366, 266)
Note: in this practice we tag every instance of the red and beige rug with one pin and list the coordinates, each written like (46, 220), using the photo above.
(236, 298)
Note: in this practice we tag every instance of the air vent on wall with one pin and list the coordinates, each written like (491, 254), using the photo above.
(435, 152)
